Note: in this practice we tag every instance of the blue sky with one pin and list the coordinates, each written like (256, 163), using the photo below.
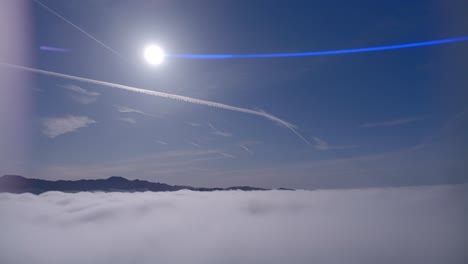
(373, 119)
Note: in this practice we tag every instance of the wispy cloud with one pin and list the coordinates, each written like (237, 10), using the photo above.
(160, 142)
(176, 97)
(227, 155)
(246, 149)
(218, 132)
(53, 127)
(124, 109)
(194, 124)
(82, 95)
(127, 119)
(245, 145)
(321, 144)
(396, 122)
(194, 144)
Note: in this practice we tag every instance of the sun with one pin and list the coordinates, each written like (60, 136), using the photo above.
(154, 55)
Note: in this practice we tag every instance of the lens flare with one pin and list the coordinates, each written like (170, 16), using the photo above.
(318, 53)
(154, 55)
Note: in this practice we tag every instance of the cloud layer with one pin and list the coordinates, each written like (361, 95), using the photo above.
(53, 127)
(400, 225)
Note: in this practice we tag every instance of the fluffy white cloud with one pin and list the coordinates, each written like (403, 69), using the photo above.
(53, 127)
(399, 225)
(82, 95)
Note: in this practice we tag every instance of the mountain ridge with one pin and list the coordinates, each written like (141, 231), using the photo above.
(20, 184)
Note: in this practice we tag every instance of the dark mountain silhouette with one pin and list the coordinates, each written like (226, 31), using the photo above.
(19, 184)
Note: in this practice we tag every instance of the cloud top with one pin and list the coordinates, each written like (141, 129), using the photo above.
(399, 225)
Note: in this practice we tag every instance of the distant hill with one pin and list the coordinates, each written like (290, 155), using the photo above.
(19, 184)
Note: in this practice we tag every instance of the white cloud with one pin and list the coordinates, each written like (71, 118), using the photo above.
(53, 127)
(394, 225)
(396, 122)
(123, 109)
(127, 119)
(82, 95)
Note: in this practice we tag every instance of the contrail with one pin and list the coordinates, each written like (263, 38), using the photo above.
(246, 149)
(318, 53)
(77, 27)
(163, 95)
(274, 55)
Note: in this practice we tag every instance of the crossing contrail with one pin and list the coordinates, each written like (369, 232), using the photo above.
(77, 27)
(274, 55)
(163, 95)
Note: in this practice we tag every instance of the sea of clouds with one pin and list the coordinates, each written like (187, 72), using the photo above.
(394, 225)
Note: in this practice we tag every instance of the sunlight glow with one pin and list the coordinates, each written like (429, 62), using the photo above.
(154, 55)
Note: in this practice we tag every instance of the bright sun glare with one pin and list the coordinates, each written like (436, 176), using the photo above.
(154, 55)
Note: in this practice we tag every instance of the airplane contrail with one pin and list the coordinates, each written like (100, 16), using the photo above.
(246, 149)
(163, 95)
(77, 27)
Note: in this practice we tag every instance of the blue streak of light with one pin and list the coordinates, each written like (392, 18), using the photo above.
(317, 53)
(47, 48)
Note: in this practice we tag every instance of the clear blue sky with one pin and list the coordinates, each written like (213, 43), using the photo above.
(373, 119)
